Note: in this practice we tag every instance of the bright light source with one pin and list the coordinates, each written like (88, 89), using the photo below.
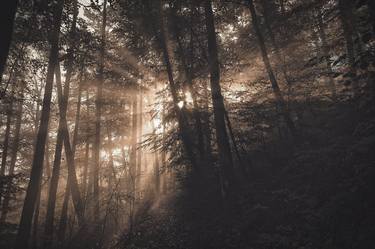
(188, 97)
(180, 104)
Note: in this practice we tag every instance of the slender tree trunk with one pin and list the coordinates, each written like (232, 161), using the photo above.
(13, 158)
(184, 130)
(34, 239)
(206, 125)
(278, 51)
(62, 131)
(187, 65)
(326, 54)
(139, 135)
(87, 170)
(111, 170)
(37, 165)
(98, 112)
(64, 214)
(225, 155)
(48, 227)
(133, 152)
(64, 211)
(275, 86)
(6, 29)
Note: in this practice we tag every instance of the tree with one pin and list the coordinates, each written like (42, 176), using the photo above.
(37, 165)
(98, 105)
(275, 86)
(225, 155)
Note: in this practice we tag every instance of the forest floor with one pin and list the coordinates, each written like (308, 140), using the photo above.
(317, 194)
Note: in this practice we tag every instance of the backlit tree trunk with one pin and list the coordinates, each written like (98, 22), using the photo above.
(184, 130)
(24, 228)
(225, 155)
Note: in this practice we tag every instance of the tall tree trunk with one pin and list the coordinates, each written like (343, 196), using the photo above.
(326, 54)
(225, 155)
(278, 51)
(183, 127)
(139, 135)
(48, 227)
(62, 131)
(275, 86)
(98, 111)
(64, 214)
(187, 66)
(111, 170)
(6, 29)
(23, 234)
(87, 171)
(64, 211)
(72, 177)
(34, 239)
(133, 153)
(13, 158)
(206, 124)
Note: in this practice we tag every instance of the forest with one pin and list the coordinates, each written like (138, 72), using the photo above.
(187, 124)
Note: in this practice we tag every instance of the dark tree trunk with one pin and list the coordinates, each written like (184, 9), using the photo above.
(133, 152)
(64, 214)
(72, 177)
(275, 86)
(184, 130)
(139, 135)
(6, 29)
(23, 234)
(48, 227)
(34, 238)
(187, 66)
(225, 155)
(278, 51)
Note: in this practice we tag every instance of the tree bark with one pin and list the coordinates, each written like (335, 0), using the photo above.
(133, 152)
(187, 66)
(23, 234)
(225, 155)
(183, 127)
(139, 135)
